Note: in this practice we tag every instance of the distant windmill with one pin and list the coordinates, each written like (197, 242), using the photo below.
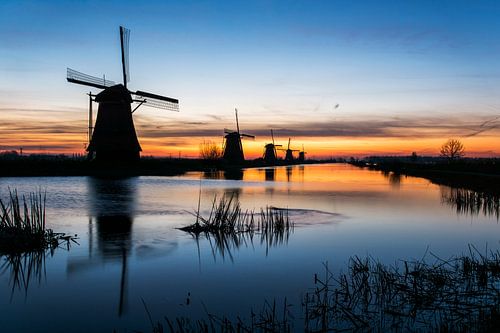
(270, 156)
(233, 150)
(113, 138)
(289, 152)
(302, 155)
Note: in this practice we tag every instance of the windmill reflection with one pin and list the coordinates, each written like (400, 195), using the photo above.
(112, 206)
(270, 174)
(228, 174)
(470, 202)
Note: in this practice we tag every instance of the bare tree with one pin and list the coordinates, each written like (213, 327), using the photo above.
(452, 149)
(209, 150)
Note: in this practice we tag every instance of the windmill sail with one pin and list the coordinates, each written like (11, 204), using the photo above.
(124, 41)
(157, 101)
(87, 80)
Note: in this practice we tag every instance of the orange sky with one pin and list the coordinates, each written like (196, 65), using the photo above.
(51, 135)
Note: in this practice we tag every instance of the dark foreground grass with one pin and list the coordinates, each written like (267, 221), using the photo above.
(23, 225)
(460, 294)
(25, 241)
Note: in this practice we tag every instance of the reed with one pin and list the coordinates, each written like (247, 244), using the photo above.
(460, 294)
(227, 216)
(228, 227)
(23, 224)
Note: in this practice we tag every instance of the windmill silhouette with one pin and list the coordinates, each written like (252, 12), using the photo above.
(233, 150)
(289, 152)
(270, 156)
(302, 155)
(113, 138)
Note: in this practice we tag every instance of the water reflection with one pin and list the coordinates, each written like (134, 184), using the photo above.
(112, 206)
(469, 202)
(230, 174)
(270, 174)
(223, 244)
(394, 179)
(24, 269)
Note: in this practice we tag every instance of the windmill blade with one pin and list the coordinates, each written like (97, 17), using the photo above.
(87, 80)
(228, 131)
(278, 145)
(237, 124)
(158, 101)
(124, 42)
(248, 136)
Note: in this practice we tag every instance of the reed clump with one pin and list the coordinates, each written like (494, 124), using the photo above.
(23, 224)
(460, 294)
(227, 218)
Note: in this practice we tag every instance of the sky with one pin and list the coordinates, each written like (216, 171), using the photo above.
(406, 75)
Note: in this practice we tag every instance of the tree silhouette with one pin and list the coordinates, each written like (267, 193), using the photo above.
(209, 150)
(452, 149)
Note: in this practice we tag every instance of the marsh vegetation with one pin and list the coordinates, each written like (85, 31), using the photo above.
(228, 226)
(459, 294)
(25, 241)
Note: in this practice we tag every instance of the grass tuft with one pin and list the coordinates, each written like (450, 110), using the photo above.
(23, 225)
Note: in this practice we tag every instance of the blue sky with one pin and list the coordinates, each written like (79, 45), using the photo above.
(279, 62)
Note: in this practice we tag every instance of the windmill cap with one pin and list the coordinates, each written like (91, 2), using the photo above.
(114, 94)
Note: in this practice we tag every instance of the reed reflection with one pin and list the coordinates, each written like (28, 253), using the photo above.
(24, 269)
(394, 179)
(468, 202)
(228, 227)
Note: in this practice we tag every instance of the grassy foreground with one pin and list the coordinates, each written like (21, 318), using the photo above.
(460, 294)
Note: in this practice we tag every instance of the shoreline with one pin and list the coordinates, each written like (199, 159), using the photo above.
(468, 177)
(54, 166)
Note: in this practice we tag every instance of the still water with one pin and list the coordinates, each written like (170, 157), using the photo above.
(130, 250)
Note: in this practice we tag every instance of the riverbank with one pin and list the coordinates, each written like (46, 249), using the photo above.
(62, 165)
(481, 175)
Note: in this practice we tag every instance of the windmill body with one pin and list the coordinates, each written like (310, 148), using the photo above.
(114, 138)
(289, 152)
(270, 155)
(233, 149)
(302, 155)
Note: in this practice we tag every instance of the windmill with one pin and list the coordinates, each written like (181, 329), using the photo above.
(302, 155)
(270, 156)
(289, 152)
(113, 137)
(233, 150)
